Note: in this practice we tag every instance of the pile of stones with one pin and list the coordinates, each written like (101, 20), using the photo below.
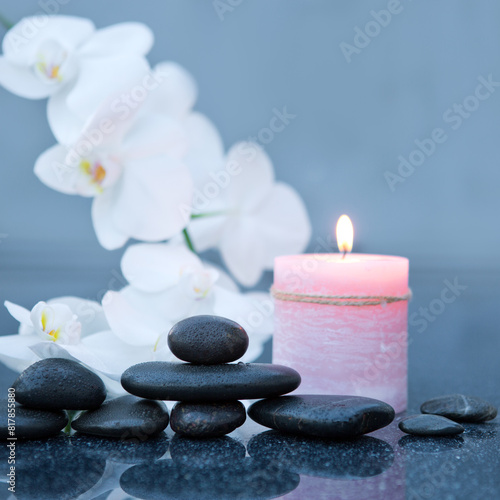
(207, 386)
(442, 416)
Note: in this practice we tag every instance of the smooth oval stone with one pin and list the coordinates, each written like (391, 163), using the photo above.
(31, 423)
(207, 420)
(208, 340)
(337, 417)
(198, 383)
(430, 425)
(460, 408)
(59, 384)
(127, 417)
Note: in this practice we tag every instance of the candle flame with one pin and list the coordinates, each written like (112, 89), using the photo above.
(345, 234)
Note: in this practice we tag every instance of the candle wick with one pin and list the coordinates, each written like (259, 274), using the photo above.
(343, 254)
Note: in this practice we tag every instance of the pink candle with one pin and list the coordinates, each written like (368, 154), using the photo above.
(330, 331)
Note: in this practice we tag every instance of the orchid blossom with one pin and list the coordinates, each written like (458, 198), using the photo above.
(134, 172)
(169, 283)
(253, 218)
(66, 59)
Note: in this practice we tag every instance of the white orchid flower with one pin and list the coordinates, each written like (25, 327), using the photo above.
(168, 283)
(66, 59)
(64, 321)
(253, 217)
(134, 172)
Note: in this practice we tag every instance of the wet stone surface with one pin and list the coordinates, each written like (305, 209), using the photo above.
(339, 417)
(198, 383)
(59, 384)
(208, 340)
(460, 408)
(204, 420)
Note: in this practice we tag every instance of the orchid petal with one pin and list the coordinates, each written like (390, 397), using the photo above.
(101, 78)
(175, 92)
(123, 38)
(15, 351)
(283, 224)
(156, 267)
(109, 236)
(21, 42)
(51, 168)
(19, 313)
(153, 202)
(253, 175)
(128, 323)
(21, 81)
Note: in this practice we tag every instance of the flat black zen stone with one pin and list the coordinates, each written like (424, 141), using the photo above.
(338, 417)
(127, 417)
(460, 408)
(31, 423)
(198, 383)
(430, 425)
(208, 340)
(204, 420)
(59, 384)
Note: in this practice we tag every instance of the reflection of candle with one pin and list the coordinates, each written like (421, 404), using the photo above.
(341, 322)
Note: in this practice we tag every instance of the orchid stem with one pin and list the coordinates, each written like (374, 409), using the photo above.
(71, 417)
(189, 243)
(5, 22)
(208, 214)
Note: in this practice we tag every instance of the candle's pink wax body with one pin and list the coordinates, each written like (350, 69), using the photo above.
(356, 350)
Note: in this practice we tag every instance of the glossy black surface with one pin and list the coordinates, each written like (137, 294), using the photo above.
(457, 350)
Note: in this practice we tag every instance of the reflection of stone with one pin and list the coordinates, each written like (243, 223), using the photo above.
(363, 457)
(481, 431)
(126, 451)
(243, 479)
(52, 469)
(199, 453)
(418, 444)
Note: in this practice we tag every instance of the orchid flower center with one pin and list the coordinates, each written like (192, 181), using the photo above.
(198, 283)
(50, 62)
(94, 171)
(56, 323)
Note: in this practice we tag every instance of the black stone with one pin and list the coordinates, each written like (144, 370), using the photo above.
(31, 423)
(206, 453)
(127, 417)
(337, 417)
(197, 383)
(365, 456)
(460, 408)
(59, 384)
(207, 420)
(244, 479)
(208, 340)
(430, 425)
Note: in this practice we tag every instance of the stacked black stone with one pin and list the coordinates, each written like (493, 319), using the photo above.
(209, 386)
(43, 391)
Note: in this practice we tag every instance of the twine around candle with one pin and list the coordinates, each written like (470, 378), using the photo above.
(339, 300)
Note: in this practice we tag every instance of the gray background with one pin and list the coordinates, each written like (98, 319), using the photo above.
(353, 121)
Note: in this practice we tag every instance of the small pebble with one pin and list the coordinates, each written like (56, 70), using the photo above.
(31, 423)
(198, 383)
(208, 340)
(430, 425)
(338, 417)
(127, 417)
(460, 408)
(207, 420)
(59, 384)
